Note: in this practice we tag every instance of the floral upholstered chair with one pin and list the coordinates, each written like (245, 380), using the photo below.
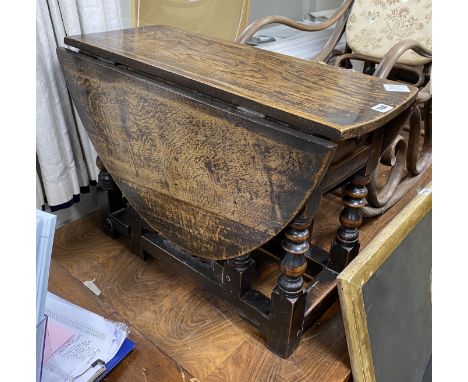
(375, 26)
(393, 38)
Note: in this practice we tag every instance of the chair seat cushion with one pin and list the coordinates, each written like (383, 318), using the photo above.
(375, 26)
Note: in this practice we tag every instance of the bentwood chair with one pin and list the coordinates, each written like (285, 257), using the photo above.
(213, 18)
(393, 39)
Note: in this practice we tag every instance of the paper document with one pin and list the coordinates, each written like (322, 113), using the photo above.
(94, 338)
(57, 336)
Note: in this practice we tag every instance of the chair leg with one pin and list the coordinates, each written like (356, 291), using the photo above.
(345, 246)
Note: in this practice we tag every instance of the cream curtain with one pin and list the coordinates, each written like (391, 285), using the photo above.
(65, 156)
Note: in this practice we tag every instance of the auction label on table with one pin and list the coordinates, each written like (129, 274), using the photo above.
(396, 88)
(382, 108)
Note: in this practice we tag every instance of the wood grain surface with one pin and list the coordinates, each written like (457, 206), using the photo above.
(215, 181)
(146, 362)
(202, 334)
(313, 97)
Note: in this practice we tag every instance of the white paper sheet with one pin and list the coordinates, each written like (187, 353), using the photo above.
(396, 88)
(93, 338)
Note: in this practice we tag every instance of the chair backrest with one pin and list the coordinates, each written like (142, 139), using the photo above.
(375, 26)
(213, 18)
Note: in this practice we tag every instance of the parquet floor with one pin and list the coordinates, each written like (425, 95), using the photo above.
(181, 332)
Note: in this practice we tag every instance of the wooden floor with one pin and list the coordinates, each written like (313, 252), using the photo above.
(184, 334)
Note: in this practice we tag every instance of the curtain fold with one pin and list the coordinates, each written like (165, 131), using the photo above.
(65, 154)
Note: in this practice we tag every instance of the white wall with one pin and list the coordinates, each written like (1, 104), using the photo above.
(291, 8)
(126, 13)
(320, 5)
(295, 9)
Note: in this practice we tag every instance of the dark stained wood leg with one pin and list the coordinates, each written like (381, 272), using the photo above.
(239, 272)
(345, 246)
(291, 308)
(135, 232)
(115, 200)
(288, 298)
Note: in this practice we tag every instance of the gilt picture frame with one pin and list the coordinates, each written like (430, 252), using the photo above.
(385, 297)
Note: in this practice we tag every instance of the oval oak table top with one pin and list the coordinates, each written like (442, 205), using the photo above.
(312, 97)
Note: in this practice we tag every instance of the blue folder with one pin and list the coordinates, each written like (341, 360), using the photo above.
(127, 346)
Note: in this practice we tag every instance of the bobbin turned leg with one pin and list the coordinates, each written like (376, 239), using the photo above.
(345, 246)
(114, 198)
(238, 274)
(288, 297)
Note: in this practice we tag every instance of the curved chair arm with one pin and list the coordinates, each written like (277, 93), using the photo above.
(425, 94)
(392, 56)
(329, 48)
(247, 34)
